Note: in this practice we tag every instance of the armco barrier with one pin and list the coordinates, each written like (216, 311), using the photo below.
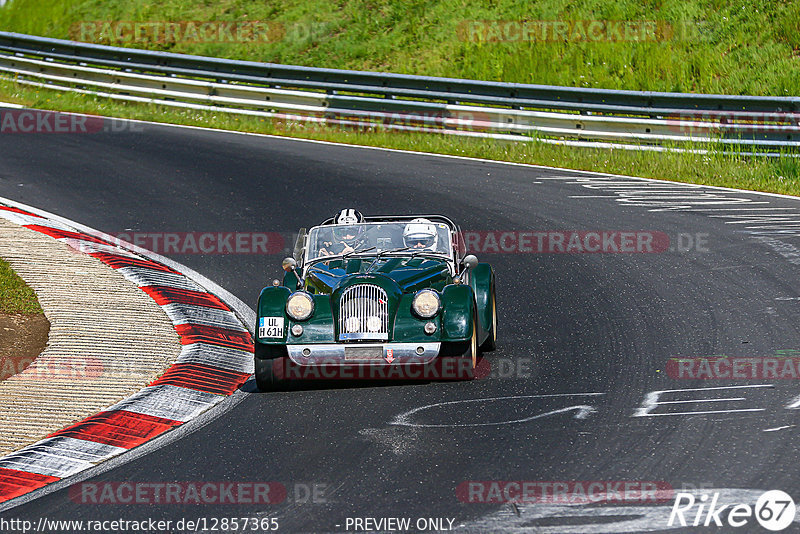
(509, 111)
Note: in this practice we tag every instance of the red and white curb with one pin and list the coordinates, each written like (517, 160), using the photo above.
(216, 359)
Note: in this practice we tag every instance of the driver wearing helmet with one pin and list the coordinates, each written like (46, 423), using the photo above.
(420, 234)
(346, 233)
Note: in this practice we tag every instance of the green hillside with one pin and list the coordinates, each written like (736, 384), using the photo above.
(742, 47)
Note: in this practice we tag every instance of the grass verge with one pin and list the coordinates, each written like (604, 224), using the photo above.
(775, 175)
(15, 296)
(704, 46)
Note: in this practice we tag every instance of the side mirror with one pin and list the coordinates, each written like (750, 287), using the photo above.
(289, 264)
(470, 261)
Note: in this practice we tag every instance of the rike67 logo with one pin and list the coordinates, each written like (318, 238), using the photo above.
(774, 510)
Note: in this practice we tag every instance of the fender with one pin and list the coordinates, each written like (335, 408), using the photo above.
(458, 308)
(272, 303)
(481, 279)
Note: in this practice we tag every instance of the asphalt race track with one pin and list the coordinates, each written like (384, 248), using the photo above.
(570, 325)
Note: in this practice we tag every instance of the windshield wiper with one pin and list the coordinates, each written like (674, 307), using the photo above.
(382, 252)
(358, 251)
(428, 252)
(323, 259)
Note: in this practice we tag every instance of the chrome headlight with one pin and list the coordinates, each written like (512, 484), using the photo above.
(300, 306)
(426, 303)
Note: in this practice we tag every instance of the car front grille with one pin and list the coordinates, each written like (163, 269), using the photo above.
(363, 313)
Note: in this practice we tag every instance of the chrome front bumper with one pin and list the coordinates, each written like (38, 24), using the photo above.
(364, 353)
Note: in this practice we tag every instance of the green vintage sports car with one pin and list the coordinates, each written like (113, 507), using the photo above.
(363, 293)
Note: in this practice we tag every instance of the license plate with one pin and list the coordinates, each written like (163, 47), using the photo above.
(270, 327)
(363, 353)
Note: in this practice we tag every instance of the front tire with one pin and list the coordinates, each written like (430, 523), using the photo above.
(470, 356)
(269, 374)
(271, 364)
(491, 340)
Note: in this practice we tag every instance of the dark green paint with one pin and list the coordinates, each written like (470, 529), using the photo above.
(401, 278)
(481, 279)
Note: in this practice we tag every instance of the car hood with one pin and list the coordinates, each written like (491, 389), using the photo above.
(409, 274)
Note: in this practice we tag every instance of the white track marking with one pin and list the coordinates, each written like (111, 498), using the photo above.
(777, 428)
(651, 401)
(794, 404)
(704, 210)
(583, 411)
(702, 400)
(657, 197)
(706, 412)
(751, 219)
(788, 225)
(787, 250)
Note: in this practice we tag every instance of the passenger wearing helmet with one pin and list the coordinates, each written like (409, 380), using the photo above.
(346, 234)
(420, 234)
(348, 216)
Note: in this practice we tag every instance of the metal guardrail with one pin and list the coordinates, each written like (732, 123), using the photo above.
(643, 120)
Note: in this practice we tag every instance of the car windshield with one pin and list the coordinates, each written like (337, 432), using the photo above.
(374, 238)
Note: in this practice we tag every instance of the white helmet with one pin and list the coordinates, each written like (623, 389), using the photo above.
(420, 234)
(348, 216)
